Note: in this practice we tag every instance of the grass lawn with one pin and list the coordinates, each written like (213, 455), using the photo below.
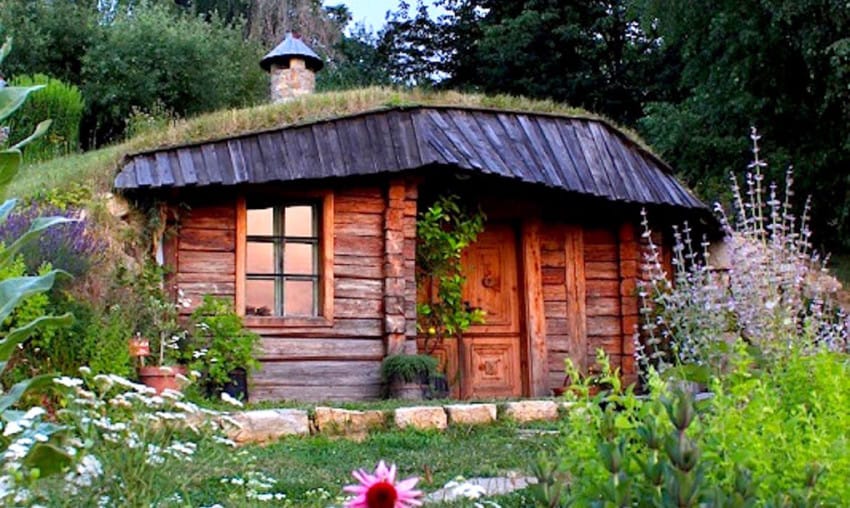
(311, 471)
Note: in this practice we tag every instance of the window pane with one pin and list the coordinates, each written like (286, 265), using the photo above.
(299, 221)
(298, 258)
(260, 221)
(259, 258)
(259, 297)
(299, 296)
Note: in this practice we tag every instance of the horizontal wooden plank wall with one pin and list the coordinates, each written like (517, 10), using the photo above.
(553, 268)
(336, 362)
(341, 361)
(604, 305)
(205, 258)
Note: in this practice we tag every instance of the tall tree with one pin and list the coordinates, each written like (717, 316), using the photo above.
(414, 46)
(780, 65)
(590, 53)
(269, 20)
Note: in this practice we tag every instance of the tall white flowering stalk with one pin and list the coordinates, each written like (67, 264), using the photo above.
(773, 292)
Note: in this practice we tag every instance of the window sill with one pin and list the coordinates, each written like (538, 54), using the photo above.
(294, 322)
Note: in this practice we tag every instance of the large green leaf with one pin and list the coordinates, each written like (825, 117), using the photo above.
(10, 162)
(22, 333)
(40, 130)
(48, 458)
(38, 225)
(12, 97)
(11, 396)
(15, 289)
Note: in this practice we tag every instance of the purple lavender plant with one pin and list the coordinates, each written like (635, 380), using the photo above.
(70, 246)
(773, 292)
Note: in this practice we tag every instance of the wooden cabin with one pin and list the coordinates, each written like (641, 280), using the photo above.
(311, 230)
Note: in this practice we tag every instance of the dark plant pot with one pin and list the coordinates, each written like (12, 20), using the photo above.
(236, 387)
(438, 387)
(162, 378)
(406, 390)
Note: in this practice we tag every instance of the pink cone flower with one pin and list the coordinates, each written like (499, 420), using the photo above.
(380, 490)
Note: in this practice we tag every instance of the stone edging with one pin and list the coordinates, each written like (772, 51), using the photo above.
(265, 425)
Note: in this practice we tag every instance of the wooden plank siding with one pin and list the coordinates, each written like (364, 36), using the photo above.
(374, 300)
(589, 277)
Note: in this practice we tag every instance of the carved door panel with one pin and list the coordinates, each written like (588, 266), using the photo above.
(489, 354)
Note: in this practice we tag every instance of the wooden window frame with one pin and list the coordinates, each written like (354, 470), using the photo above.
(326, 263)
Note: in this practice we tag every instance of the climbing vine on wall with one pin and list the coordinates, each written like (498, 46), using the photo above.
(443, 231)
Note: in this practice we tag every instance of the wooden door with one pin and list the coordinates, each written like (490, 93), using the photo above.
(489, 354)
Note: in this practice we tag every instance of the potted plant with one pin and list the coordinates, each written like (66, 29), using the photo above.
(408, 376)
(224, 348)
(161, 348)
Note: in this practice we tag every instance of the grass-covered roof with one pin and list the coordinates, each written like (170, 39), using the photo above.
(95, 169)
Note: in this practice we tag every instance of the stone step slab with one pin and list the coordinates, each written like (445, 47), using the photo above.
(265, 425)
(347, 422)
(531, 410)
(470, 414)
(421, 417)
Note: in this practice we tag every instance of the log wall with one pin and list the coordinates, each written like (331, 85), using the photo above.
(589, 279)
(373, 300)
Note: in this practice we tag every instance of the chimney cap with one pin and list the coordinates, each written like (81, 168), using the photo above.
(292, 46)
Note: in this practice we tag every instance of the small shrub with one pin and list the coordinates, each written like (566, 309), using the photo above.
(408, 368)
(62, 103)
(221, 341)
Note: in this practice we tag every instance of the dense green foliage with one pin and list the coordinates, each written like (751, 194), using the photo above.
(781, 65)
(773, 434)
(28, 443)
(60, 102)
(153, 57)
(221, 342)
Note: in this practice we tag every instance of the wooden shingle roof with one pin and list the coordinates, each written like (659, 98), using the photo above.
(574, 154)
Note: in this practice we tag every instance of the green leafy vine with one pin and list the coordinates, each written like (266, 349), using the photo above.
(443, 231)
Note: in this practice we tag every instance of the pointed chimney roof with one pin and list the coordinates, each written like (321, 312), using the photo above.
(292, 46)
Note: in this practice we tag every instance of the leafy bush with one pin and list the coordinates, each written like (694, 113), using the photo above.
(132, 442)
(58, 101)
(154, 56)
(221, 341)
(773, 436)
(28, 442)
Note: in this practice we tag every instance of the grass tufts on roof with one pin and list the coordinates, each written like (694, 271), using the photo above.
(96, 169)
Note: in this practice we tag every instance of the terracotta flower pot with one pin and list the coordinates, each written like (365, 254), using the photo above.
(161, 378)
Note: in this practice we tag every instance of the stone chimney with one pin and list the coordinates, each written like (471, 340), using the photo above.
(293, 66)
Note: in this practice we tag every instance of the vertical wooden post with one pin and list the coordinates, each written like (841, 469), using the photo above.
(629, 307)
(241, 231)
(411, 197)
(535, 316)
(576, 295)
(394, 274)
